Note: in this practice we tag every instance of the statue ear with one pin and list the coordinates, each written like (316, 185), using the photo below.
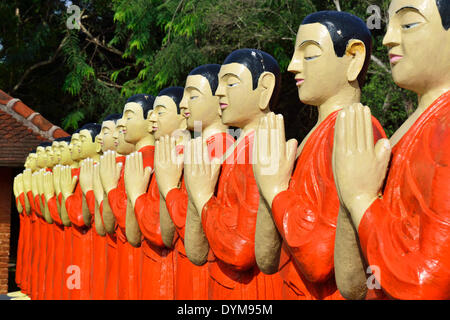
(357, 51)
(266, 84)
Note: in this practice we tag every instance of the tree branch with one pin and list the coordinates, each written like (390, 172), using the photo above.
(97, 42)
(110, 84)
(37, 65)
(380, 63)
(338, 5)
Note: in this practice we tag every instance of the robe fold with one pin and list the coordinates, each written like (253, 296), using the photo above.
(58, 258)
(157, 260)
(229, 223)
(191, 282)
(79, 273)
(128, 256)
(306, 217)
(406, 233)
(21, 261)
(112, 264)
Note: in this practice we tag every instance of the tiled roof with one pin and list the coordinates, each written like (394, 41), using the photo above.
(21, 130)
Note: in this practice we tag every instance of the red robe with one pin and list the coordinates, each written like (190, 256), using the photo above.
(229, 222)
(34, 249)
(406, 234)
(191, 281)
(67, 258)
(157, 261)
(22, 244)
(128, 256)
(306, 217)
(41, 250)
(58, 258)
(112, 264)
(81, 244)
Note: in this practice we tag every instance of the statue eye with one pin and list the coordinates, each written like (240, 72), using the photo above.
(311, 58)
(194, 97)
(233, 84)
(410, 25)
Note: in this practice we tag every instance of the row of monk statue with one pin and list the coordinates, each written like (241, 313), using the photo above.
(134, 208)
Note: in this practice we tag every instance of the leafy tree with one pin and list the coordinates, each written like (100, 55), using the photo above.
(133, 46)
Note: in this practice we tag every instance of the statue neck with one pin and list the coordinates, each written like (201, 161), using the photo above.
(148, 140)
(252, 125)
(426, 99)
(345, 97)
(214, 128)
(75, 165)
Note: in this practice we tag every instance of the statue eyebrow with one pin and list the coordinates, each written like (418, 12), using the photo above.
(405, 8)
(309, 41)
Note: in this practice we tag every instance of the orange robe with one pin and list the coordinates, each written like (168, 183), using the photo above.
(41, 249)
(191, 281)
(306, 217)
(67, 258)
(157, 260)
(81, 245)
(112, 264)
(22, 243)
(34, 249)
(58, 235)
(229, 222)
(128, 256)
(406, 234)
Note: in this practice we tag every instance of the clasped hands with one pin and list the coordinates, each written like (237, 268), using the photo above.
(273, 157)
(359, 165)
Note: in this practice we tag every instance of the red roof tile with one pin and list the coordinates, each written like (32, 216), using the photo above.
(21, 130)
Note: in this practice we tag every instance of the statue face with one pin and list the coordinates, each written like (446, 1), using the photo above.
(87, 146)
(152, 122)
(41, 157)
(56, 153)
(121, 146)
(105, 137)
(51, 161)
(238, 101)
(32, 161)
(319, 73)
(419, 46)
(64, 151)
(136, 125)
(199, 102)
(74, 147)
(168, 120)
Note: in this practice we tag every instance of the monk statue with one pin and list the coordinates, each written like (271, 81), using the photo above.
(249, 83)
(397, 191)
(330, 60)
(201, 109)
(79, 206)
(112, 168)
(150, 217)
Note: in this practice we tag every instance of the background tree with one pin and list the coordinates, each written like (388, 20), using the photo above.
(125, 47)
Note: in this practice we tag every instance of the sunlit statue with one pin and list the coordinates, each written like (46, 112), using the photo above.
(330, 60)
(79, 207)
(201, 109)
(112, 176)
(249, 83)
(404, 227)
(150, 212)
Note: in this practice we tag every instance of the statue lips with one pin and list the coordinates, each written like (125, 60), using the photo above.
(223, 106)
(394, 58)
(299, 81)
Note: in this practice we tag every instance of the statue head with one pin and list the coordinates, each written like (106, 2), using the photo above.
(74, 146)
(249, 85)
(332, 52)
(166, 112)
(105, 137)
(62, 152)
(51, 159)
(418, 40)
(88, 145)
(135, 113)
(199, 104)
(42, 156)
(121, 146)
(31, 162)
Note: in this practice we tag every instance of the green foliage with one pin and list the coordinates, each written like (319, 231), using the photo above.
(141, 46)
